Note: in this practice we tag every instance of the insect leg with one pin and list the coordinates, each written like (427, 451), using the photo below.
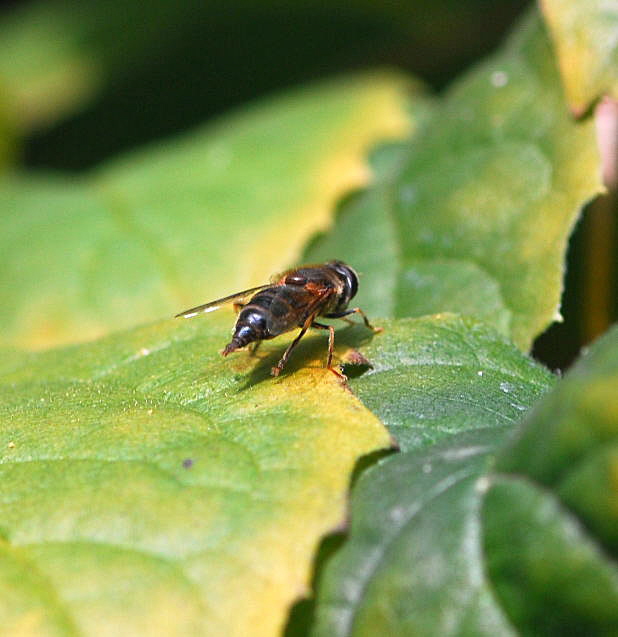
(254, 347)
(238, 306)
(355, 310)
(275, 371)
(331, 340)
(331, 344)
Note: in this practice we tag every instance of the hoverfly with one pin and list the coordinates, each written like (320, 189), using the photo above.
(292, 299)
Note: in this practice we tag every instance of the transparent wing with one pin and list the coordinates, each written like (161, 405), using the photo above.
(215, 305)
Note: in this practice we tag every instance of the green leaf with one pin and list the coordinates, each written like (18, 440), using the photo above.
(7, 142)
(438, 376)
(585, 35)
(450, 390)
(152, 487)
(45, 64)
(550, 575)
(476, 218)
(569, 444)
(216, 211)
(413, 564)
(557, 493)
(477, 535)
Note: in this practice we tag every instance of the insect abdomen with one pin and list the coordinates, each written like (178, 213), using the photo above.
(268, 314)
(250, 327)
(252, 322)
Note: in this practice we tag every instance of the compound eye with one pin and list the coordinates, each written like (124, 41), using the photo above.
(352, 282)
(295, 279)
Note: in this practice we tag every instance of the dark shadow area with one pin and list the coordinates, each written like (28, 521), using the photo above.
(353, 370)
(559, 345)
(371, 459)
(313, 345)
(590, 298)
(206, 59)
(302, 613)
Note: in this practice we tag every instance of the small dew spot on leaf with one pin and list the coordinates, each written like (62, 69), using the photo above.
(499, 79)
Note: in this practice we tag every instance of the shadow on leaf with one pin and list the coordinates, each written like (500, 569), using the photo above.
(312, 351)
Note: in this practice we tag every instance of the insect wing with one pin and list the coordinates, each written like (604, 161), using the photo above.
(215, 305)
(292, 305)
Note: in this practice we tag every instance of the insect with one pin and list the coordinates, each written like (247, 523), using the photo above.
(292, 299)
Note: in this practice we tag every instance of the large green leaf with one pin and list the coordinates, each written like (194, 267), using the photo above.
(585, 34)
(216, 211)
(477, 216)
(477, 537)
(152, 487)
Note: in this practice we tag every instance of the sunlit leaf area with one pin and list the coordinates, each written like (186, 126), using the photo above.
(396, 221)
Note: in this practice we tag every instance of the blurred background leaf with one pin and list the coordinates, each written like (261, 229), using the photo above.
(477, 217)
(585, 36)
(192, 219)
(128, 73)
